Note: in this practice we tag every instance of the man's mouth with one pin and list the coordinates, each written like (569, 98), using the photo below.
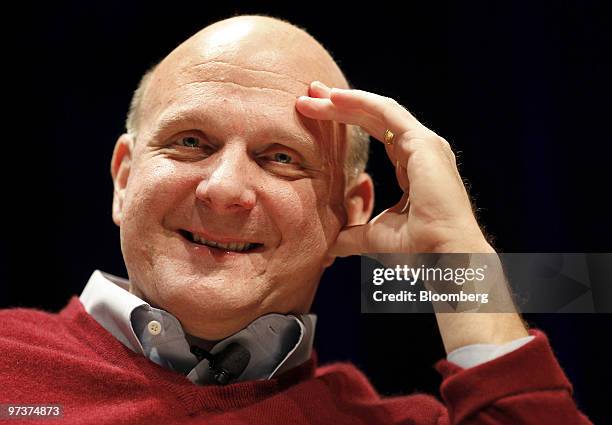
(232, 246)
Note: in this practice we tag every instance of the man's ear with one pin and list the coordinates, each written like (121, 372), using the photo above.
(120, 171)
(359, 200)
(358, 204)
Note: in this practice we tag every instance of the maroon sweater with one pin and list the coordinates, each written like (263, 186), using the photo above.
(69, 359)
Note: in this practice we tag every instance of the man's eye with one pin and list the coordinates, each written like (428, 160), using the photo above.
(189, 142)
(283, 158)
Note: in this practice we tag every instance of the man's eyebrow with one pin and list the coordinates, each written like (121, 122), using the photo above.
(170, 120)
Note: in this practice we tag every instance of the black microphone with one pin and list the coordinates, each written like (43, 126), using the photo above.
(201, 353)
(227, 364)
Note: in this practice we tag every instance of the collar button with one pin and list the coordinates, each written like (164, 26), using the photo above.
(154, 327)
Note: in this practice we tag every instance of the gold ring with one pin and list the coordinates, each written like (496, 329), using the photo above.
(389, 137)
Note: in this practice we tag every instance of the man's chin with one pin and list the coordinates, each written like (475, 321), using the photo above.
(213, 327)
(215, 306)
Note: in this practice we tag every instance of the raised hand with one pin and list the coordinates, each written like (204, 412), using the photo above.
(435, 213)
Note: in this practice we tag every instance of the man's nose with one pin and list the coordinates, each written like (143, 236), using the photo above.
(228, 187)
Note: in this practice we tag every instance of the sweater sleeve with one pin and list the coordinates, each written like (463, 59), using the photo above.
(524, 386)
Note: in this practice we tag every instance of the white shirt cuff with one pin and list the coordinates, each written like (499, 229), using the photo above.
(475, 354)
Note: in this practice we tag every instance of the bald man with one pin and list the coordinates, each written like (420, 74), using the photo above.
(239, 180)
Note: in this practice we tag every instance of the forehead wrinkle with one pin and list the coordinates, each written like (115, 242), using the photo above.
(222, 72)
(257, 87)
(275, 74)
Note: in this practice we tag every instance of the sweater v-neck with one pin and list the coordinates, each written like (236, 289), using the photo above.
(193, 397)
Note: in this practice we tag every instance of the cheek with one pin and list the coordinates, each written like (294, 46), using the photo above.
(305, 216)
(154, 189)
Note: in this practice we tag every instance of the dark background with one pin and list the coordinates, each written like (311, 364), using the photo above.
(520, 91)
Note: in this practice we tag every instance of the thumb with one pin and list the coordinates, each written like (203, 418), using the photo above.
(350, 241)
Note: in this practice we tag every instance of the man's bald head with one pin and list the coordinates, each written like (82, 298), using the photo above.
(261, 45)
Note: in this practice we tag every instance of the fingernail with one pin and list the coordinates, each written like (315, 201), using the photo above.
(318, 83)
(303, 98)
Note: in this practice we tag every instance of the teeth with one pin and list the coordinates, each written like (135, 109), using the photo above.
(234, 246)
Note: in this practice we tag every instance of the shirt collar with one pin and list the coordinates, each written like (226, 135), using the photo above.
(276, 342)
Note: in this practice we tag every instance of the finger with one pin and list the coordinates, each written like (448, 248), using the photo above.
(388, 112)
(403, 204)
(376, 114)
(402, 177)
(324, 109)
(428, 168)
(452, 158)
(350, 241)
(318, 89)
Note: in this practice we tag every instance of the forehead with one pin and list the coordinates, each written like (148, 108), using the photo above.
(223, 81)
(241, 96)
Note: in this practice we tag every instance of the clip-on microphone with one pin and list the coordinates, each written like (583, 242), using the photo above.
(227, 364)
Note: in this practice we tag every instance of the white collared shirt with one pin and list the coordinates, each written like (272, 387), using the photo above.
(275, 342)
